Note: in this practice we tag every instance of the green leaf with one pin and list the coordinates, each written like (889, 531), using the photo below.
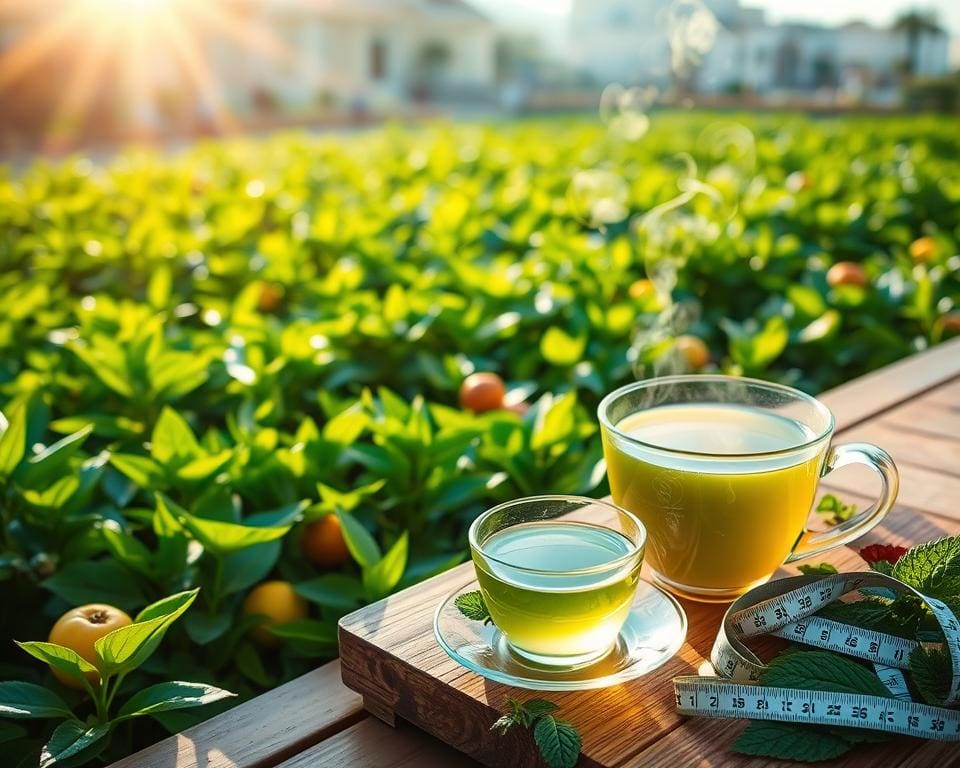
(42, 468)
(64, 660)
(220, 538)
(932, 568)
(166, 696)
(362, 546)
(788, 741)
(203, 467)
(96, 581)
(822, 671)
(11, 731)
(333, 590)
(823, 569)
(71, 738)
(26, 700)
(126, 648)
(145, 472)
(556, 420)
(472, 605)
(310, 637)
(560, 348)
(203, 628)
(107, 367)
(247, 660)
(536, 708)
(834, 509)
(172, 440)
(54, 497)
(503, 724)
(383, 576)
(127, 548)
(13, 439)
(807, 300)
(558, 742)
(932, 672)
(249, 566)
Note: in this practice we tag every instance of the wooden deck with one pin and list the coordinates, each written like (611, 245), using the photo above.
(911, 408)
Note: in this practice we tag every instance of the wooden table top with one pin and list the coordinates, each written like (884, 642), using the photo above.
(910, 408)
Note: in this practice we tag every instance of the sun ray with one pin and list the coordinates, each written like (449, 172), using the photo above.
(40, 44)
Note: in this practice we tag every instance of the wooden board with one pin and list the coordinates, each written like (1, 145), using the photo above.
(388, 653)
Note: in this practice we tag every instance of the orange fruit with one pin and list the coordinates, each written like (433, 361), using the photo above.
(482, 392)
(923, 249)
(950, 322)
(694, 350)
(79, 628)
(846, 273)
(323, 543)
(276, 603)
(271, 295)
(641, 288)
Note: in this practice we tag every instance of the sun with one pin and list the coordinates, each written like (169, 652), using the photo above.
(123, 41)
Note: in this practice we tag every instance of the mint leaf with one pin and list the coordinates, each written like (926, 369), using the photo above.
(787, 741)
(882, 566)
(558, 742)
(931, 672)
(932, 568)
(823, 569)
(899, 617)
(834, 510)
(822, 671)
(471, 605)
(535, 709)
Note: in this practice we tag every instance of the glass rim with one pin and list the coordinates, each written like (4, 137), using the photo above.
(635, 548)
(715, 379)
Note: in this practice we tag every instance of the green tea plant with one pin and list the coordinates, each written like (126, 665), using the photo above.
(204, 354)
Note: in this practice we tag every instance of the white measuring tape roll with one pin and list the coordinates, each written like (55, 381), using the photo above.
(784, 608)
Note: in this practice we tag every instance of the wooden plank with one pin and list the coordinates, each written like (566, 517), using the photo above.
(858, 400)
(936, 452)
(924, 489)
(371, 744)
(947, 395)
(926, 417)
(263, 731)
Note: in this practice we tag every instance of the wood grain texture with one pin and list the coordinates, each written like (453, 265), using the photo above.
(263, 731)
(868, 395)
(371, 744)
(926, 417)
(391, 651)
(929, 451)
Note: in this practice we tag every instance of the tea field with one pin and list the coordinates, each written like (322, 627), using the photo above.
(242, 363)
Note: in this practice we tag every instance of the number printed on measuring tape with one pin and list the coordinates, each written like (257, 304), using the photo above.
(723, 699)
(785, 608)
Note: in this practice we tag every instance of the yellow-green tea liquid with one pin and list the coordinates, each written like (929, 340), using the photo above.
(715, 523)
(546, 613)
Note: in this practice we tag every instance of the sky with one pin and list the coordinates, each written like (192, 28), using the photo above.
(548, 17)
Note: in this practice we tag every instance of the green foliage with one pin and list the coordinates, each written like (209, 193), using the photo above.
(472, 605)
(190, 374)
(835, 510)
(931, 672)
(557, 740)
(932, 568)
(821, 569)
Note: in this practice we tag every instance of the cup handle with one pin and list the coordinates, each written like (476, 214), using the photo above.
(815, 542)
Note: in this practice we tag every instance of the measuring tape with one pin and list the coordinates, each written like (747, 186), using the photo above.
(785, 608)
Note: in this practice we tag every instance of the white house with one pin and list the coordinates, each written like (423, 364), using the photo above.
(630, 41)
(358, 52)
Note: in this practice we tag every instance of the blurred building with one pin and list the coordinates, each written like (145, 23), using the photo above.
(646, 41)
(359, 53)
(232, 62)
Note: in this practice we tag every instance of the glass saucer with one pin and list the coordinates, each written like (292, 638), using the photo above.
(653, 632)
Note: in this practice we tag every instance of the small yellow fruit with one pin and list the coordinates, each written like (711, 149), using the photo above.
(79, 628)
(923, 249)
(694, 350)
(277, 603)
(846, 273)
(640, 289)
(323, 542)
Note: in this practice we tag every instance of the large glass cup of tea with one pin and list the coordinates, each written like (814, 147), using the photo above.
(722, 471)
